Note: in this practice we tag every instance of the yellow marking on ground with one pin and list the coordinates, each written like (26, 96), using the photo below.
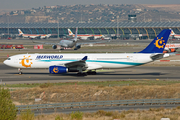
(157, 79)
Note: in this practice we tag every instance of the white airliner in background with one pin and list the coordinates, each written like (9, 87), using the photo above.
(33, 36)
(85, 36)
(174, 34)
(63, 63)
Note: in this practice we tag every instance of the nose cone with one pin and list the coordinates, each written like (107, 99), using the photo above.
(5, 62)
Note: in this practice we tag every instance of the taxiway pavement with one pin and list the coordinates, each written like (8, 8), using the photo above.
(10, 75)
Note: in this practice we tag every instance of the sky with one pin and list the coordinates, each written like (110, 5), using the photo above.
(28, 4)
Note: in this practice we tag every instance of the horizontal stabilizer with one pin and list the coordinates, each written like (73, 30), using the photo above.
(157, 56)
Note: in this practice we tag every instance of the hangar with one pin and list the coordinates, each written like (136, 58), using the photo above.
(148, 29)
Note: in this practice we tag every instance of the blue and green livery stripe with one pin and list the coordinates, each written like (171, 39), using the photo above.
(98, 61)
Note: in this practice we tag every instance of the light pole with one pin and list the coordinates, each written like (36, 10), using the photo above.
(117, 26)
(144, 17)
(58, 26)
(8, 24)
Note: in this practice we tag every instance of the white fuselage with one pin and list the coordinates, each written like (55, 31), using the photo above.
(67, 43)
(86, 36)
(42, 36)
(94, 61)
(176, 36)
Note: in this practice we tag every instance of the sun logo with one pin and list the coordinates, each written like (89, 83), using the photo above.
(26, 62)
(55, 70)
(160, 43)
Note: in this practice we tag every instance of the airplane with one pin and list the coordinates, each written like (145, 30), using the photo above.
(68, 43)
(33, 36)
(174, 34)
(85, 36)
(64, 63)
(171, 47)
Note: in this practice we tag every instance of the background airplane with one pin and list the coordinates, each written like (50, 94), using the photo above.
(171, 47)
(174, 34)
(68, 43)
(33, 36)
(63, 63)
(85, 36)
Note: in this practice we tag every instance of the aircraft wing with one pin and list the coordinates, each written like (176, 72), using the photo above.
(47, 43)
(84, 43)
(80, 63)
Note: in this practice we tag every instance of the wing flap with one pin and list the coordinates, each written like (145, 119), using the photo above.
(46, 43)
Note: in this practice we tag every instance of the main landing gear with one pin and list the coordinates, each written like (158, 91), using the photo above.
(20, 71)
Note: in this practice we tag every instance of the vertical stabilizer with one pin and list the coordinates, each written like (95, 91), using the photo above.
(159, 43)
(172, 32)
(75, 38)
(70, 32)
(20, 32)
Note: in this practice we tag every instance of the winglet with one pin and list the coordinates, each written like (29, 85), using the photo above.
(159, 43)
(84, 58)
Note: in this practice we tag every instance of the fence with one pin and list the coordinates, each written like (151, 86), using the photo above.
(92, 104)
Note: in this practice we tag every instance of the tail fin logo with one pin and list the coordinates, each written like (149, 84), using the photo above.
(55, 70)
(160, 43)
(25, 62)
(70, 32)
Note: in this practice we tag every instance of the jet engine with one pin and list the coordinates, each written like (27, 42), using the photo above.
(57, 69)
(54, 46)
(170, 50)
(77, 47)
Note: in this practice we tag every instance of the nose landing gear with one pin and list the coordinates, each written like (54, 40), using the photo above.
(20, 71)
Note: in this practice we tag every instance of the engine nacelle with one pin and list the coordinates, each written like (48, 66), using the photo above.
(54, 46)
(173, 50)
(57, 69)
(77, 47)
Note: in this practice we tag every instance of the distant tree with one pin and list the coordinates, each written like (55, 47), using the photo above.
(8, 110)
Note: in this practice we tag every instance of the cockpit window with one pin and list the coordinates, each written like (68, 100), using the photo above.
(9, 59)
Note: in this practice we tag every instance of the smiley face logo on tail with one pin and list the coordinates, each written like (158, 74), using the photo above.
(160, 43)
(25, 62)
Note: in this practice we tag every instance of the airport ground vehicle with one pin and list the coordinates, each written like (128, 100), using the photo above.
(19, 47)
(10, 46)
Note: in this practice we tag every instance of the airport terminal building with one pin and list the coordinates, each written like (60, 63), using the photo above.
(123, 29)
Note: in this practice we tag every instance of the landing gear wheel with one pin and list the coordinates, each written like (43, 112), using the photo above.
(20, 73)
(62, 49)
